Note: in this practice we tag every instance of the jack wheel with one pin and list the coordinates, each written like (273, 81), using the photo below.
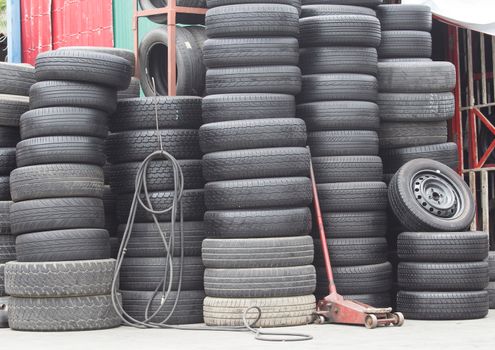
(399, 319)
(371, 321)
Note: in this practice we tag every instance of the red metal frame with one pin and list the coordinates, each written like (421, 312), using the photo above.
(171, 11)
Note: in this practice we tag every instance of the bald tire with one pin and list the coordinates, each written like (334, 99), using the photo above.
(275, 312)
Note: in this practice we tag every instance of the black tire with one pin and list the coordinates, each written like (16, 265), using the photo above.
(437, 277)
(198, 31)
(258, 193)
(417, 107)
(11, 109)
(361, 279)
(352, 251)
(85, 66)
(219, 108)
(324, 60)
(177, 112)
(9, 136)
(359, 224)
(256, 163)
(56, 180)
(64, 121)
(192, 205)
(260, 282)
(63, 245)
(7, 160)
(7, 248)
(145, 274)
(135, 146)
(443, 305)
(248, 134)
(257, 252)
(159, 175)
(235, 52)
(133, 91)
(445, 153)
(404, 17)
(352, 196)
(252, 20)
(216, 3)
(190, 68)
(189, 308)
(258, 223)
(347, 169)
(16, 79)
(491, 294)
(376, 299)
(5, 217)
(60, 149)
(4, 188)
(343, 143)
(256, 79)
(53, 93)
(365, 3)
(327, 10)
(491, 265)
(411, 212)
(59, 279)
(338, 86)
(275, 312)
(402, 134)
(2, 280)
(145, 240)
(339, 115)
(56, 214)
(128, 55)
(63, 314)
(442, 246)
(405, 43)
(415, 76)
(340, 30)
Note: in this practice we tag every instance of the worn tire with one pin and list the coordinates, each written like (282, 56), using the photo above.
(365, 3)
(352, 251)
(258, 193)
(258, 223)
(133, 91)
(275, 312)
(225, 107)
(63, 314)
(11, 109)
(7, 248)
(412, 214)
(339, 115)
(63, 245)
(358, 224)
(16, 79)
(248, 134)
(7, 160)
(330, 10)
(177, 112)
(352, 196)
(135, 146)
(257, 79)
(404, 17)
(260, 282)
(442, 246)
(56, 214)
(56, 180)
(347, 169)
(491, 265)
(256, 163)
(53, 93)
(324, 60)
(405, 43)
(343, 143)
(9, 136)
(59, 279)
(403, 134)
(257, 252)
(5, 217)
(443, 305)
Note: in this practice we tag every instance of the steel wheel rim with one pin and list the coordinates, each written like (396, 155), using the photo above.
(436, 194)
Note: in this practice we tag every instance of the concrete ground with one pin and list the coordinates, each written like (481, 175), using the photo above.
(437, 335)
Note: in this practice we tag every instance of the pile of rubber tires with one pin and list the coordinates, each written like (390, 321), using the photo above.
(62, 277)
(443, 270)
(491, 284)
(338, 103)
(14, 89)
(133, 138)
(415, 97)
(190, 70)
(258, 251)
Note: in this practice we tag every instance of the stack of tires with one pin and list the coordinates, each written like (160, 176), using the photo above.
(338, 104)
(133, 138)
(415, 97)
(57, 190)
(443, 270)
(259, 251)
(14, 89)
(491, 273)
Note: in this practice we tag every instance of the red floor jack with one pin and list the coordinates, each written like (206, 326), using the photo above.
(333, 308)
